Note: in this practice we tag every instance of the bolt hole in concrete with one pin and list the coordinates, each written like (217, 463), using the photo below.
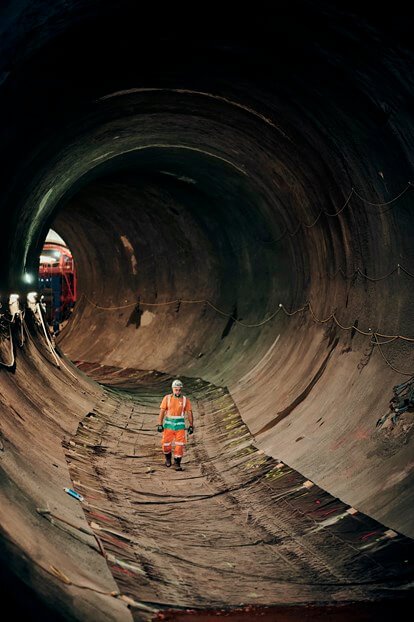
(240, 217)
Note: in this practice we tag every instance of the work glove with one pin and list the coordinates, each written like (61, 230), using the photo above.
(190, 429)
(160, 428)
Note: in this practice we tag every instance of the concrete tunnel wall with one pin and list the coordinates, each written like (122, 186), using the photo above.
(173, 172)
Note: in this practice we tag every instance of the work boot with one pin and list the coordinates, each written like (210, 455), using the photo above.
(177, 464)
(168, 459)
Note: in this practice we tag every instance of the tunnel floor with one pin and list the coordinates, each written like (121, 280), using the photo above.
(235, 528)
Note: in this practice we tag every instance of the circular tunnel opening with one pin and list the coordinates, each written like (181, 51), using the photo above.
(194, 263)
(175, 238)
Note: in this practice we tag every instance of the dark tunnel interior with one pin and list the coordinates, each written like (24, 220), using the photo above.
(236, 188)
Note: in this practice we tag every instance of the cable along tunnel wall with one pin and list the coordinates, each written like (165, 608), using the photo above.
(241, 176)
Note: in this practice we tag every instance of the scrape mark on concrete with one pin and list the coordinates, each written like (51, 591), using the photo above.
(130, 249)
(286, 411)
(146, 318)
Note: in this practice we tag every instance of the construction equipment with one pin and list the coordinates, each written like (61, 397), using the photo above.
(57, 283)
(402, 401)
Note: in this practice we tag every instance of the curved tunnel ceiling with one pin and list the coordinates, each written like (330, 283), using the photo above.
(223, 195)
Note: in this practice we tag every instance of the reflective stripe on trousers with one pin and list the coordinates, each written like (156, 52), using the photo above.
(178, 437)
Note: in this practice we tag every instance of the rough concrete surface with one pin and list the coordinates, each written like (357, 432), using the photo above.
(236, 188)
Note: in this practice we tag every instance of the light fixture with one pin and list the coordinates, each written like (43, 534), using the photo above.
(14, 306)
(32, 300)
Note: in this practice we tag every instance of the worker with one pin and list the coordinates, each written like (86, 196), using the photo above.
(171, 423)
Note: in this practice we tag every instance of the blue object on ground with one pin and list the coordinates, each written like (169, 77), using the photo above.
(73, 493)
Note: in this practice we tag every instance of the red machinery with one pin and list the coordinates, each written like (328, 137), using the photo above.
(57, 282)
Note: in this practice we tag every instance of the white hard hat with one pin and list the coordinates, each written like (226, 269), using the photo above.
(177, 383)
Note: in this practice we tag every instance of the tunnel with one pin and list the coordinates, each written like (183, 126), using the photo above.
(235, 185)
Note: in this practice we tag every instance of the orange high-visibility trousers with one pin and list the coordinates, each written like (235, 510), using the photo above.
(176, 437)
